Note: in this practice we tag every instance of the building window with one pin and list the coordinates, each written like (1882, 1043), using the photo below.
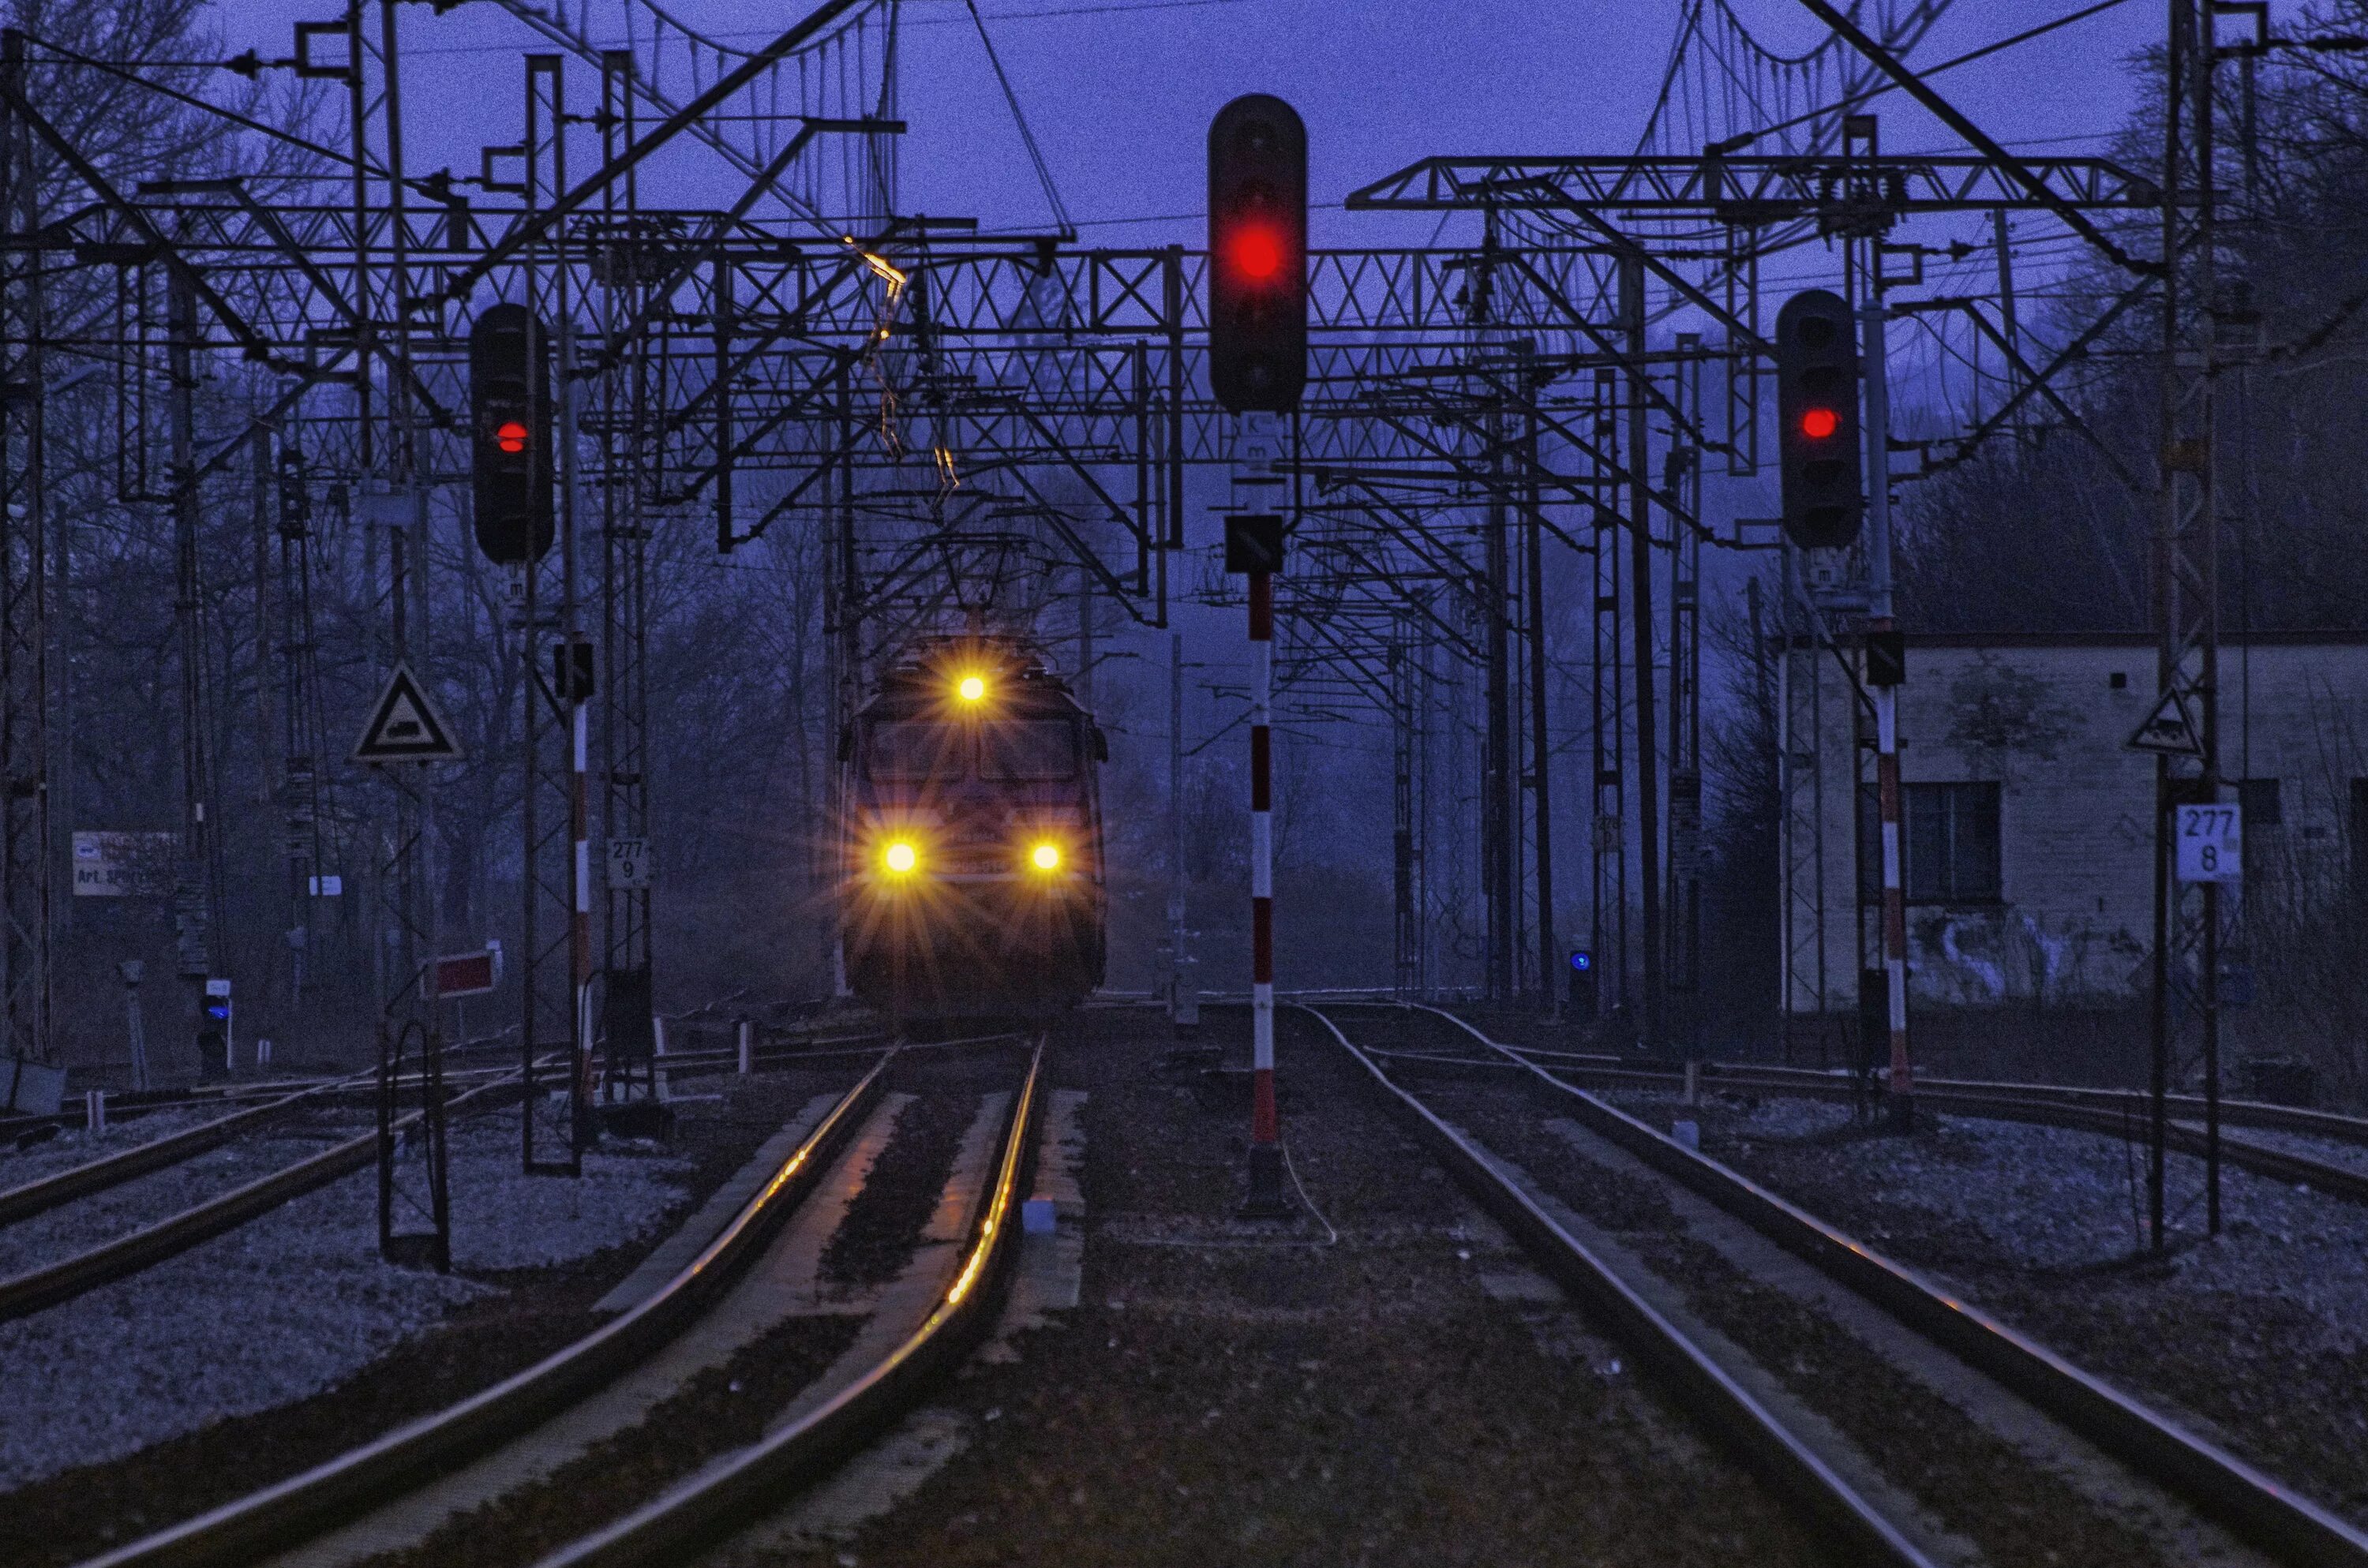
(1949, 849)
(2258, 797)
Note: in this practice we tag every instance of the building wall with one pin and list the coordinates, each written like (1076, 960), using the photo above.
(2044, 720)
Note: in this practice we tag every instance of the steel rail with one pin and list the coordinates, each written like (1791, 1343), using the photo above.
(2269, 1514)
(138, 1103)
(752, 1480)
(2106, 1111)
(38, 1288)
(1796, 1475)
(97, 1175)
(280, 1515)
(2334, 1126)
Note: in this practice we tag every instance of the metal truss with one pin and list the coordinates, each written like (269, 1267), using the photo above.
(1751, 191)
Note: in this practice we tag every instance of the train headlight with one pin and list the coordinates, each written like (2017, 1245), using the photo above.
(1045, 857)
(900, 857)
(970, 689)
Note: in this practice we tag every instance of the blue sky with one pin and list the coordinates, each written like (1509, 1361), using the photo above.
(1121, 96)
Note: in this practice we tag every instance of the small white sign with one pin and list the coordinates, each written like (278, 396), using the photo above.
(629, 864)
(331, 886)
(2211, 843)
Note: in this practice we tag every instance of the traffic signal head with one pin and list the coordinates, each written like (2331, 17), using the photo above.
(295, 498)
(1258, 256)
(510, 435)
(1582, 982)
(1817, 437)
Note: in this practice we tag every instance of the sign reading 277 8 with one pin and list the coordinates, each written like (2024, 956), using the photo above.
(2211, 843)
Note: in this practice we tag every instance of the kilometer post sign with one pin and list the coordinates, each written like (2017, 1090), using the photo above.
(2212, 843)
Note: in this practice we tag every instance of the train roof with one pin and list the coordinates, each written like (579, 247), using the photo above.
(925, 670)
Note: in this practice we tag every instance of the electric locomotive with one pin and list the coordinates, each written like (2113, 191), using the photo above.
(972, 881)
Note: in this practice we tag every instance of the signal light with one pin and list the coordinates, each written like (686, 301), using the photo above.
(1045, 857)
(901, 858)
(1817, 412)
(295, 498)
(1255, 252)
(509, 401)
(1258, 256)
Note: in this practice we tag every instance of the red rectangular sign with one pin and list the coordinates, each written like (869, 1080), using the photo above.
(464, 975)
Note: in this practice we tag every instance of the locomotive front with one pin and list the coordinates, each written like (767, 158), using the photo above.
(972, 879)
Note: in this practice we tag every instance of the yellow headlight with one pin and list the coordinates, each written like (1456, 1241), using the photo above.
(900, 857)
(971, 689)
(1045, 857)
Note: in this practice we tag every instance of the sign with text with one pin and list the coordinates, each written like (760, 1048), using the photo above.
(464, 975)
(124, 865)
(2211, 843)
(629, 864)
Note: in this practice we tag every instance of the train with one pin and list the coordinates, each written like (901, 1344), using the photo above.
(972, 881)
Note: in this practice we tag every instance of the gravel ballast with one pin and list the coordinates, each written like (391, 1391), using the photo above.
(1248, 1395)
(101, 1217)
(431, 1341)
(2258, 1337)
(286, 1304)
(75, 1145)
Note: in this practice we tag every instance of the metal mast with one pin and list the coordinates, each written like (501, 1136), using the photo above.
(25, 849)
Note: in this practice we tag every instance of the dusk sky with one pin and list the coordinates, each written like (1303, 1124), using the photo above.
(1119, 94)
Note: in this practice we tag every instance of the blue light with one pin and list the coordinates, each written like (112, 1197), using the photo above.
(1582, 960)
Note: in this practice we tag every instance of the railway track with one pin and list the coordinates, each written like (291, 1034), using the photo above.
(29, 1199)
(133, 1105)
(47, 1285)
(2113, 1112)
(917, 1331)
(1743, 1402)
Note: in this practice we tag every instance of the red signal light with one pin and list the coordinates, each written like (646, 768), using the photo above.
(510, 436)
(1255, 253)
(1819, 423)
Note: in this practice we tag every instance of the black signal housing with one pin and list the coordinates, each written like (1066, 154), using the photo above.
(1258, 256)
(510, 435)
(1819, 445)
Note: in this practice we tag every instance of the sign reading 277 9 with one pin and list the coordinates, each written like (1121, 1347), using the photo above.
(2211, 843)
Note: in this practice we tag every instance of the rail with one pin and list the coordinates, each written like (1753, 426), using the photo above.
(277, 1516)
(2263, 1510)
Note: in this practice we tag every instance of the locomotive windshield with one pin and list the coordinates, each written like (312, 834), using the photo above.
(912, 749)
(1029, 751)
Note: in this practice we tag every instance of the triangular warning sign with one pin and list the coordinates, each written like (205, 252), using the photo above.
(2171, 727)
(404, 726)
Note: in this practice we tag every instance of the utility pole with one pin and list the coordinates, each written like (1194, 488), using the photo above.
(1177, 964)
(26, 853)
(1640, 576)
(1541, 741)
(2186, 592)
(1886, 671)
(1608, 904)
(1254, 548)
(192, 892)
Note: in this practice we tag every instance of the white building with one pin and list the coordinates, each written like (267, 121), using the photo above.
(2029, 842)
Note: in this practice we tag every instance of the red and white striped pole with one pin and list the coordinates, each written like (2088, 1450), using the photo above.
(580, 921)
(1887, 669)
(1266, 1135)
(1901, 1098)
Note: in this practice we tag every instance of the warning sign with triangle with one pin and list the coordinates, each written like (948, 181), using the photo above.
(404, 726)
(2171, 727)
